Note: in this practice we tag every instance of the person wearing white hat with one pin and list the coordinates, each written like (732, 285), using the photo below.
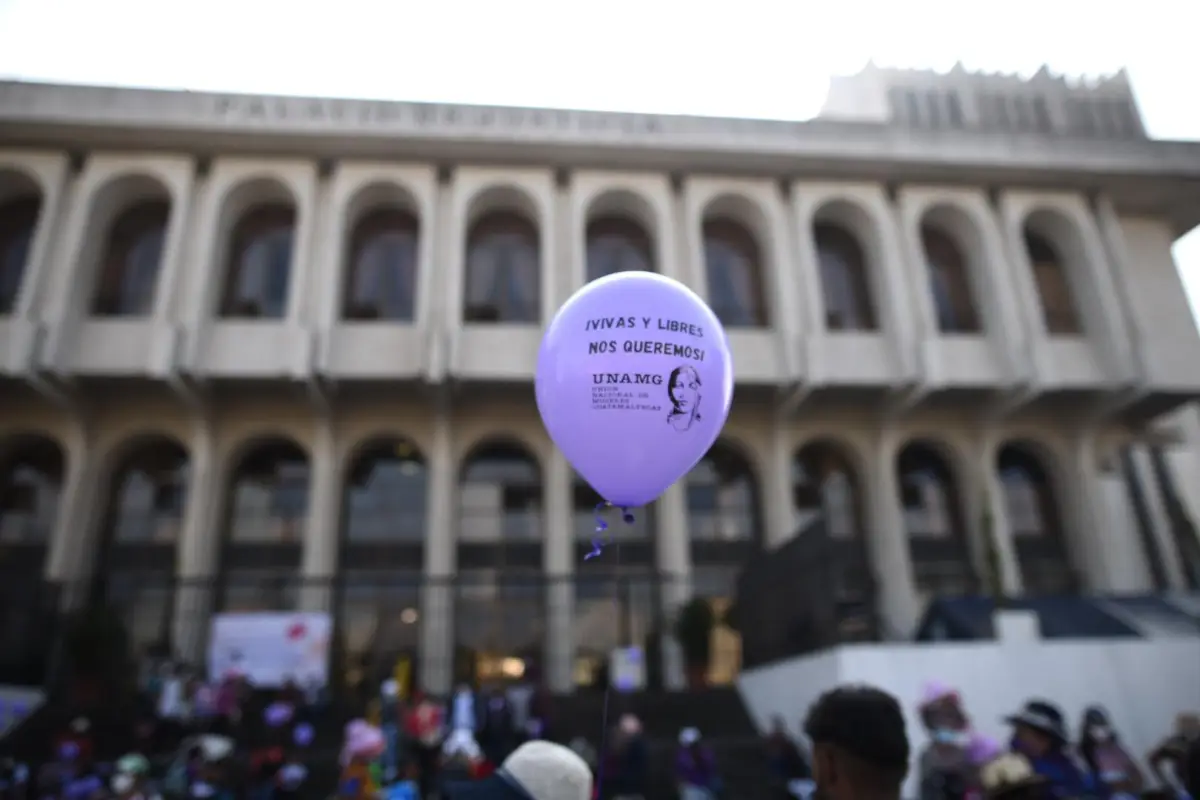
(536, 770)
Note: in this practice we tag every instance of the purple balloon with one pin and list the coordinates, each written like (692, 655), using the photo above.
(278, 714)
(303, 734)
(634, 382)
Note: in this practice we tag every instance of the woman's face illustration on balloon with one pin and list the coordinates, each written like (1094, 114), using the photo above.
(683, 387)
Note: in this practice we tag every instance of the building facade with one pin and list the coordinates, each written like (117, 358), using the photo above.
(277, 353)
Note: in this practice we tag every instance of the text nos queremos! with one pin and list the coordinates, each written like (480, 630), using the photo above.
(650, 347)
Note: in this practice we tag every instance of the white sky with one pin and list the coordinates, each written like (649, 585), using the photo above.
(754, 58)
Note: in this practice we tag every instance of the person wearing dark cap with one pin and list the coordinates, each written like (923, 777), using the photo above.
(536, 770)
(1040, 735)
(860, 748)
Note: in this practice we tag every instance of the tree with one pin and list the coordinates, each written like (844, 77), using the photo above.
(693, 629)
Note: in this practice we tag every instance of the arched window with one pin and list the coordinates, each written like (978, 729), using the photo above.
(500, 495)
(1059, 311)
(31, 478)
(18, 221)
(143, 513)
(735, 275)
(381, 281)
(259, 266)
(500, 615)
(148, 494)
(267, 512)
(723, 497)
(834, 570)
(504, 281)
(949, 283)
(268, 500)
(825, 486)
(385, 498)
(933, 521)
(384, 508)
(617, 244)
(1034, 522)
(130, 265)
(616, 601)
(844, 280)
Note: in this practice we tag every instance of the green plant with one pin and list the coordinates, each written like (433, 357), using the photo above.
(693, 629)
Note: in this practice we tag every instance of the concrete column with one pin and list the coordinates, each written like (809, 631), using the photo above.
(329, 265)
(319, 563)
(1000, 299)
(785, 305)
(688, 266)
(895, 296)
(66, 559)
(301, 298)
(65, 295)
(781, 517)
(559, 566)
(675, 565)
(1102, 303)
(1160, 519)
(1118, 273)
(58, 195)
(437, 601)
(888, 541)
(559, 281)
(204, 269)
(170, 270)
(1095, 546)
(996, 540)
(441, 299)
(199, 544)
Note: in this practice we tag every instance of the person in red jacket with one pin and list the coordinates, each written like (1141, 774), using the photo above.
(423, 727)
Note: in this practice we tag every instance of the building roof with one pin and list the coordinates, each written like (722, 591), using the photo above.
(1150, 177)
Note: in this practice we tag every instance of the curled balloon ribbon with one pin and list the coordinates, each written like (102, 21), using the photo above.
(599, 540)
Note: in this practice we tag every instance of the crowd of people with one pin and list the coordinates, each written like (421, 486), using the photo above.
(1039, 760)
(226, 741)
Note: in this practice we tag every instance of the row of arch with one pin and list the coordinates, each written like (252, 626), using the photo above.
(503, 275)
(500, 501)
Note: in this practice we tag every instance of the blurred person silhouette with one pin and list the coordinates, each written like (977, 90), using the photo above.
(1167, 759)
(860, 748)
(536, 770)
(695, 768)
(627, 762)
(1040, 734)
(1106, 758)
(949, 764)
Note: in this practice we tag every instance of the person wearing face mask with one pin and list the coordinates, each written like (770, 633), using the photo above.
(860, 747)
(1110, 764)
(949, 765)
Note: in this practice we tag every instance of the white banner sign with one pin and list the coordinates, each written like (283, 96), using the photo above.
(271, 648)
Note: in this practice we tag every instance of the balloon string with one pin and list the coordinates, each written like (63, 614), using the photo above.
(601, 526)
(598, 541)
